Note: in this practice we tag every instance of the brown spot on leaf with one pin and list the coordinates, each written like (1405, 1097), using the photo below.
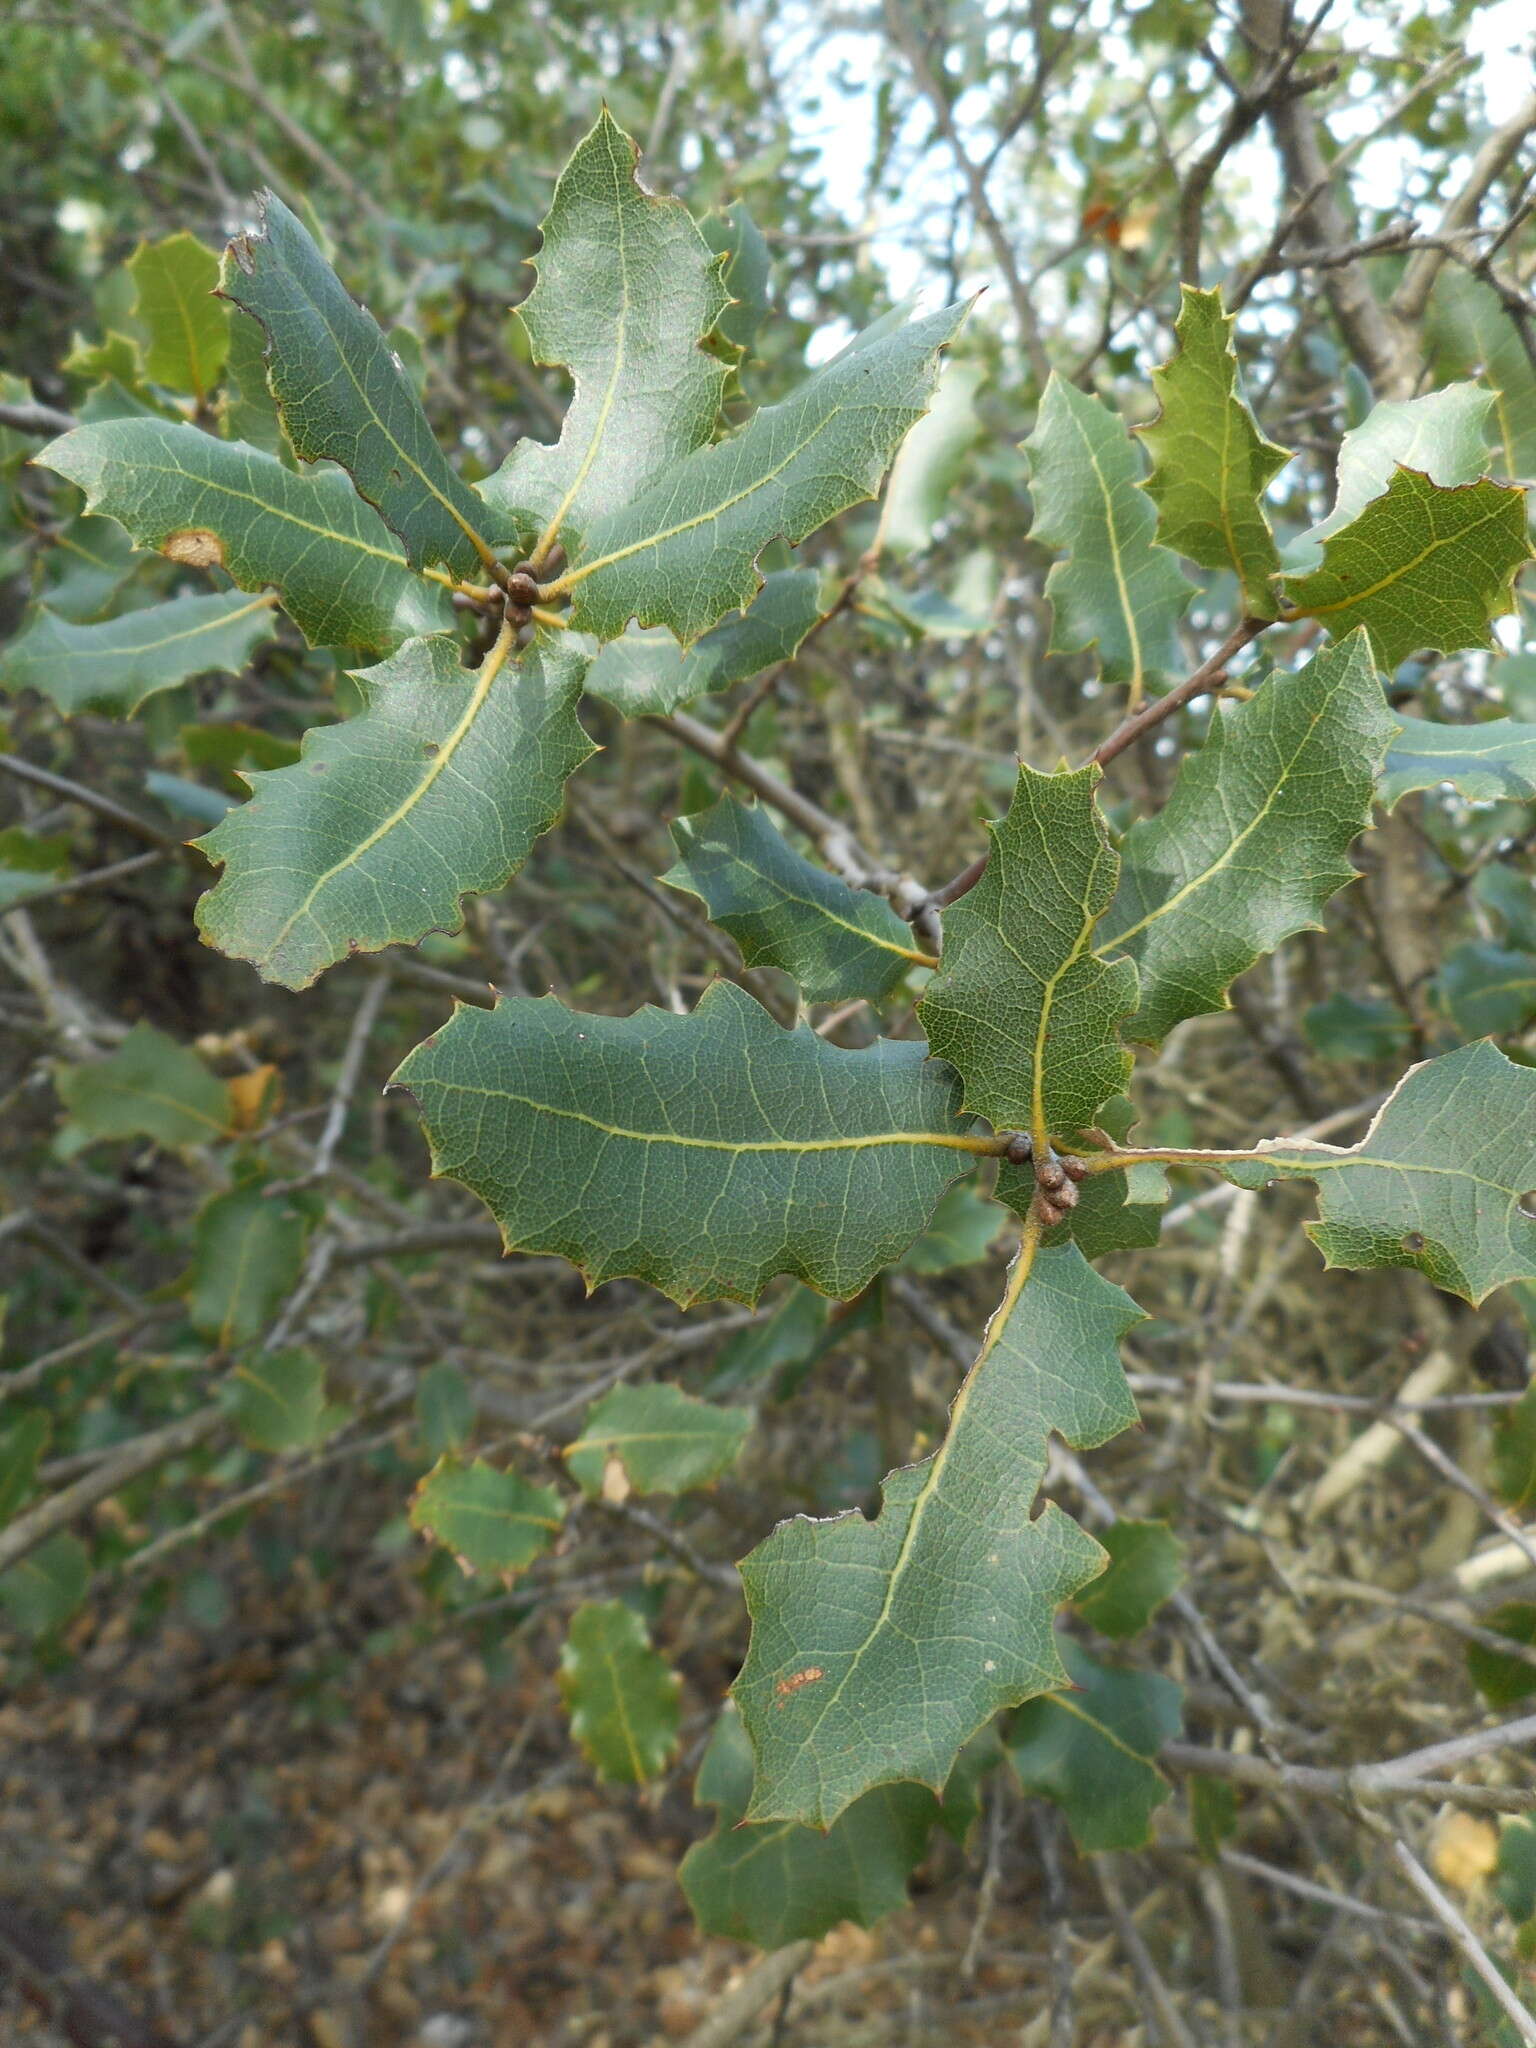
(1414, 1241)
(196, 546)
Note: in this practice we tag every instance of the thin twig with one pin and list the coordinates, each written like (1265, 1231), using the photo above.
(1455, 1925)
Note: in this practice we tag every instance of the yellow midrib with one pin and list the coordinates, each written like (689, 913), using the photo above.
(1359, 597)
(1137, 678)
(265, 602)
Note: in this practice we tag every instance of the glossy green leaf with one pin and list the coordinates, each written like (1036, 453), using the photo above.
(1514, 1455)
(684, 552)
(188, 328)
(151, 1087)
(345, 396)
(1488, 990)
(1467, 315)
(627, 291)
(961, 1232)
(279, 1401)
(622, 1696)
(491, 1521)
(20, 1449)
(248, 1252)
(341, 576)
(879, 1648)
(1483, 762)
(1146, 1567)
(1023, 1006)
(931, 462)
(1254, 838)
(1210, 463)
(784, 911)
(1091, 1750)
(661, 1439)
(1444, 1179)
(646, 671)
(1503, 1681)
(445, 1409)
(778, 1882)
(1442, 435)
(1420, 566)
(1115, 590)
(45, 1588)
(703, 1154)
(114, 664)
(439, 787)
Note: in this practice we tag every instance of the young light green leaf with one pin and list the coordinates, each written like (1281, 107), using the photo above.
(627, 291)
(879, 1648)
(445, 1409)
(778, 1882)
(659, 1439)
(1420, 566)
(785, 911)
(1482, 762)
(929, 465)
(491, 1521)
(646, 671)
(703, 1154)
(1092, 1749)
(1254, 838)
(1441, 434)
(340, 574)
(248, 1251)
(115, 664)
(42, 1591)
(438, 788)
(1115, 590)
(621, 1696)
(1468, 318)
(1146, 1567)
(345, 396)
(279, 1401)
(1023, 1006)
(684, 552)
(961, 1232)
(151, 1087)
(20, 1448)
(1210, 463)
(1444, 1179)
(188, 327)
(1488, 990)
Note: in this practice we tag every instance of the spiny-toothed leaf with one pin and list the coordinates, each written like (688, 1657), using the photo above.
(88, 563)
(1115, 590)
(43, 1590)
(1487, 990)
(734, 235)
(660, 1439)
(925, 472)
(279, 1403)
(1254, 838)
(1468, 319)
(1210, 463)
(1023, 1006)
(961, 1232)
(345, 396)
(703, 1154)
(151, 1087)
(491, 1521)
(646, 671)
(622, 1696)
(1420, 567)
(1146, 1567)
(438, 788)
(1441, 434)
(248, 1250)
(785, 911)
(1483, 762)
(338, 570)
(248, 410)
(1444, 1179)
(684, 553)
(627, 291)
(1091, 1750)
(779, 1882)
(188, 327)
(115, 664)
(879, 1648)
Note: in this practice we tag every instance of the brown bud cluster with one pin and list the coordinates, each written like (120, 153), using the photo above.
(1056, 1184)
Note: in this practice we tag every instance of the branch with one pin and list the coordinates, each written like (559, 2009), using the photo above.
(35, 418)
(1495, 156)
(1461, 1934)
(77, 793)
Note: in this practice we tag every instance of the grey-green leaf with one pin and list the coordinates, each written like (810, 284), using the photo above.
(1483, 762)
(114, 664)
(646, 671)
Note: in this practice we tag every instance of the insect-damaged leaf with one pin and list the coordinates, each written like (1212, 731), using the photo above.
(1092, 1750)
(114, 664)
(684, 552)
(339, 572)
(785, 911)
(621, 1696)
(372, 838)
(1254, 838)
(1444, 1179)
(627, 291)
(1115, 589)
(879, 1648)
(1210, 463)
(491, 1521)
(661, 1439)
(344, 395)
(703, 1154)
(1023, 1006)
